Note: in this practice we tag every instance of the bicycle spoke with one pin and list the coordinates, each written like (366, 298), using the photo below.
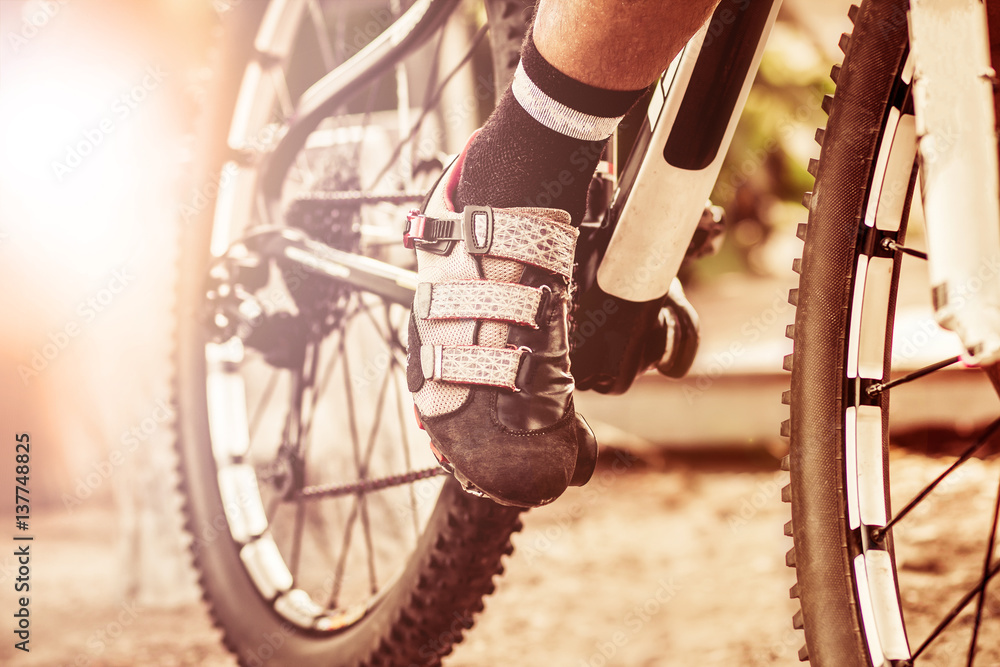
(345, 546)
(375, 323)
(403, 107)
(390, 334)
(293, 419)
(258, 411)
(304, 438)
(376, 424)
(328, 371)
(322, 35)
(879, 387)
(363, 475)
(432, 80)
(955, 611)
(340, 39)
(427, 108)
(293, 564)
(370, 550)
(348, 532)
(351, 415)
(361, 461)
(991, 542)
(405, 441)
(281, 91)
(272, 508)
(889, 244)
(373, 90)
(878, 533)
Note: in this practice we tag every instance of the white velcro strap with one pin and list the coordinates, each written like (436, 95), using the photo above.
(525, 236)
(470, 364)
(534, 240)
(478, 299)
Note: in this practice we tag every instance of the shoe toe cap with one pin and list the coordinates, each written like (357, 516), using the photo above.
(525, 469)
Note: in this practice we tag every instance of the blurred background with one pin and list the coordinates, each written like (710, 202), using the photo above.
(100, 101)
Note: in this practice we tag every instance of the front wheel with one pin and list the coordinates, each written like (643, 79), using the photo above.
(884, 576)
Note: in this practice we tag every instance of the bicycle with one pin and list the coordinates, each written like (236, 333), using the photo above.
(297, 273)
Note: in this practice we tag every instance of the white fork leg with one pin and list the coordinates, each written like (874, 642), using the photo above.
(953, 96)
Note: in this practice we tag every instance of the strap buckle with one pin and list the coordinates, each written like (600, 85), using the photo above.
(422, 230)
(476, 229)
(416, 227)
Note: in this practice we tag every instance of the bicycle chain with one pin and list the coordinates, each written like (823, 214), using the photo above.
(360, 197)
(368, 485)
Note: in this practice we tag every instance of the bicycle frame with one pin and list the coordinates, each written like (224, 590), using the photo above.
(688, 128)
(407, 33)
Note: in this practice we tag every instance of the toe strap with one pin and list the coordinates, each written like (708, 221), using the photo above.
(523, 235)
(470, 364)
(480, 299)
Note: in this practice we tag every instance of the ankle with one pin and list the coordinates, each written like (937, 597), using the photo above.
(543, 142)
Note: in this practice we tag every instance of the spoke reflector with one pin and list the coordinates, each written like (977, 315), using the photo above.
(885, 603)
(266, 567)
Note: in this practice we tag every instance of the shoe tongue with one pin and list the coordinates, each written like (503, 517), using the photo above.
(494, 334)
(502, 270)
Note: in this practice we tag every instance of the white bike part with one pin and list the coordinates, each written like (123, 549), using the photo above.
(953, 97)
(666, 202)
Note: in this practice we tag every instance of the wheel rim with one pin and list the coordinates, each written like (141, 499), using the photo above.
(894, 626)
(325, 477)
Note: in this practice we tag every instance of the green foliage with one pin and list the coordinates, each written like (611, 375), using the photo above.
(764, 174)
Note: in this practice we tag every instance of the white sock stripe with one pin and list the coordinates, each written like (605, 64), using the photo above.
(557, 116)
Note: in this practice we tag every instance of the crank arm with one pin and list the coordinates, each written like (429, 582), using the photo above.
(295, 248)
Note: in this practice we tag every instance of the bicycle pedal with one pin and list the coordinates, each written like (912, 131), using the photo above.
(709, 234)
(466, 485)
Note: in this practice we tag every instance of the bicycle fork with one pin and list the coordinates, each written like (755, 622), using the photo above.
(690, 124)
(955, 125)
(628, 262)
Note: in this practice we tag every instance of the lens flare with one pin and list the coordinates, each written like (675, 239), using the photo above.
(74, 163)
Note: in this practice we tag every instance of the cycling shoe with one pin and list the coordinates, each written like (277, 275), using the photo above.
(488, 350)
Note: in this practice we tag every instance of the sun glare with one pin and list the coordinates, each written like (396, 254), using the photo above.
(71, 158)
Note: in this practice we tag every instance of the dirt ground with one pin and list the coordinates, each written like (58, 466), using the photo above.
(679, 562)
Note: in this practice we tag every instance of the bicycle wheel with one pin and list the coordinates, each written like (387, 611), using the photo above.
(321, 531)
(867, 595)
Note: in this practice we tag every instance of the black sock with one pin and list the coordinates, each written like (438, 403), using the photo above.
(543, 141)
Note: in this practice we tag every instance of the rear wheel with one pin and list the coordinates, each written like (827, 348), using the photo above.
(875, 585)
(321, 530)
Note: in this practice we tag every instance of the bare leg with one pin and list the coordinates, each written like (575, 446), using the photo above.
(615, 44)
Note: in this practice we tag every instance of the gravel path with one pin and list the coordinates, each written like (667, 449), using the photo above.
(677, 562)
